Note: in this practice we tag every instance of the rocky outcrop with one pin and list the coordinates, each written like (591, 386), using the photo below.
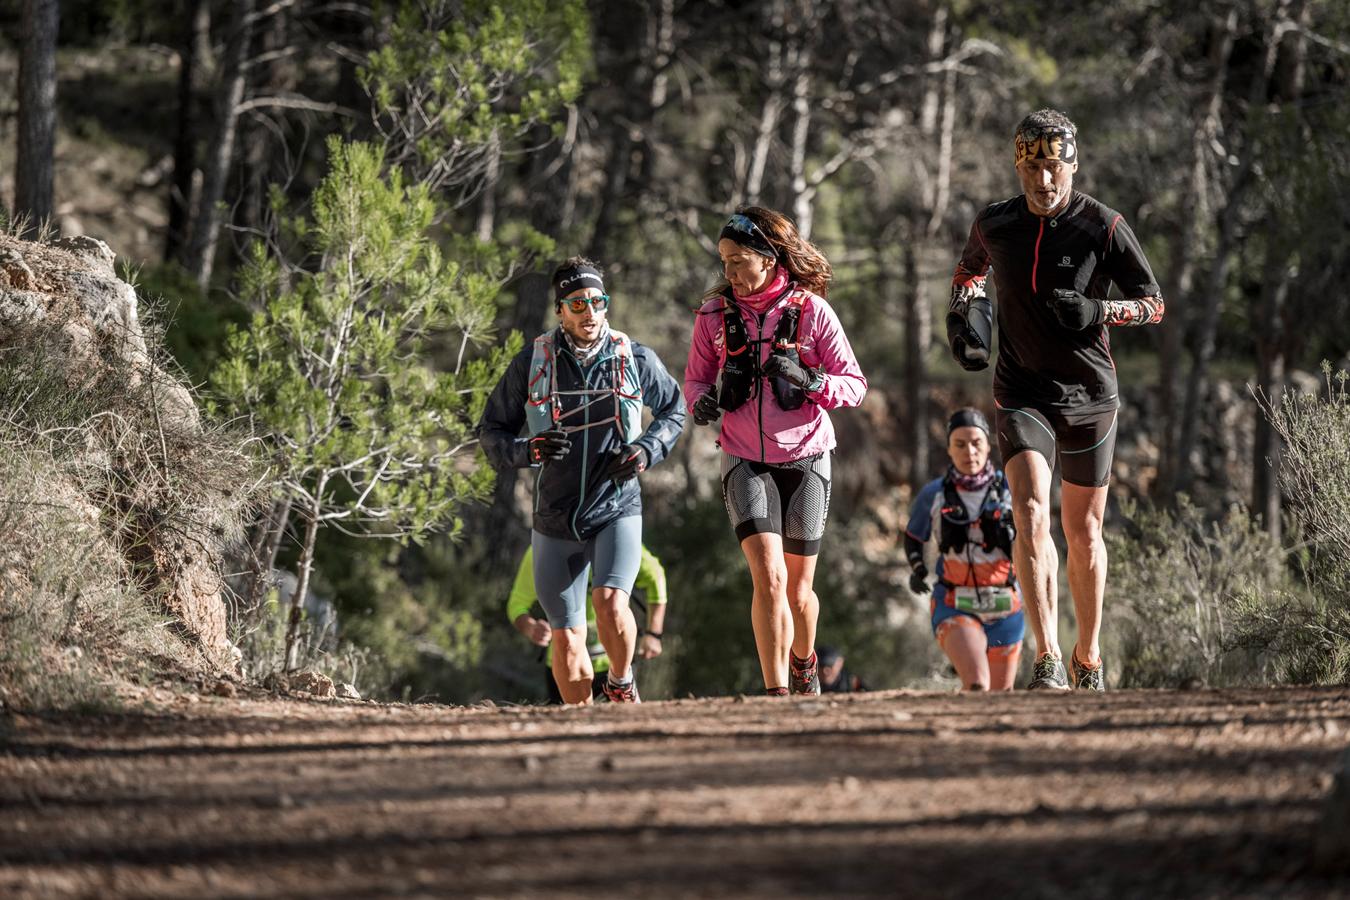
(161, 484)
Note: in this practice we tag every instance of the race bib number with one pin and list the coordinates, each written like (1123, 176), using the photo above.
(986, 602)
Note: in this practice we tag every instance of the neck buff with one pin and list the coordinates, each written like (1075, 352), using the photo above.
(1046, 143)
(575, 278)
(765, 297)
(977, 482)
(588, 355)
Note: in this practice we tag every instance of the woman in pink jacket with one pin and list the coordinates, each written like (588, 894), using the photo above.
(784, 361)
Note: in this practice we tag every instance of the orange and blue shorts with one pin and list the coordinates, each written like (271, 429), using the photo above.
(1004, 632)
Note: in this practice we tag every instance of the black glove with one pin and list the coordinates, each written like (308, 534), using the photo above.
(1075, 311)
(918, 579)
(706, 409)
(628, 461)
(971, 335)
(970, 357)
(780, 366)
(549, 445)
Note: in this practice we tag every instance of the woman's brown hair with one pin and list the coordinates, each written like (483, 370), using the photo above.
(804, 262)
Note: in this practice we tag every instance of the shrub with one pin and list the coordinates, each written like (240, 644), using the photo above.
(1309, 635)
(1180, 587)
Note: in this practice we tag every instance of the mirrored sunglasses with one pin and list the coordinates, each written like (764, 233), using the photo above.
(599, 303)
(745, 225)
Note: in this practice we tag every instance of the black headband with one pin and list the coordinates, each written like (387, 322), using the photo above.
(964, 418)
(743, 230)
(575, 278)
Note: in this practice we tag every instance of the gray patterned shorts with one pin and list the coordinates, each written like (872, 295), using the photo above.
(791, 499)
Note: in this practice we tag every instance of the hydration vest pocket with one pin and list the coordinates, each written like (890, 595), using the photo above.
(741, 371)
(955, 525)
(997, 531)
(738, 381)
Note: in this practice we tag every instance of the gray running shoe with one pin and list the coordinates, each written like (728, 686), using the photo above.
(1088, 678)
(1048, 674)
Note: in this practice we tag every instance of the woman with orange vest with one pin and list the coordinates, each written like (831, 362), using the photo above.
(976, 608)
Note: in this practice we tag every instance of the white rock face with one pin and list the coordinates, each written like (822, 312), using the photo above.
(66, 300)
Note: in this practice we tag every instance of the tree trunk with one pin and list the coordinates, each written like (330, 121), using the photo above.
(1228, 228)
(306, 565)
(1270, 383)
(191, 68)
(487, 199)
(37, 115)
(207, 220)
(1182, 289)
(627, 144)
(801, 135)
(917, 338)
(260, 166)
(1272, 331)
(263, 555)
(936, 120)
(774, 79)
(1207, 330)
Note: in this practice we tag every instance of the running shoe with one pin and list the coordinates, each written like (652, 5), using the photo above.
(1088, 678)
(776, 691)
(622, 693)
(804, 674)
(1048, 674)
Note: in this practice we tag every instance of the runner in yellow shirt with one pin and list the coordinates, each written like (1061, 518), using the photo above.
(520, 606)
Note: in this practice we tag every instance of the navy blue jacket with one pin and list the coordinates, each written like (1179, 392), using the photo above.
(572, 499)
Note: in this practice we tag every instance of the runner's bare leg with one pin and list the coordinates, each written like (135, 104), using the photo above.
(769, 612)
(618, 628)
(572, 665)
(802, 602)
(962, 639)
(1081, 512)
(1034, 555)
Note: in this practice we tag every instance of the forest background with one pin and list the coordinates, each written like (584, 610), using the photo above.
(210, 143)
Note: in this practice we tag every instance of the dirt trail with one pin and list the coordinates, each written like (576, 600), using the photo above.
(1162, 793)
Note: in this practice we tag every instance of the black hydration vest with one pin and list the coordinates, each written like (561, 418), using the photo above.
(741, 372)
(996, 527)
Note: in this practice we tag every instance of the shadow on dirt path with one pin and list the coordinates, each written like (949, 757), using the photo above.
(1206, 793)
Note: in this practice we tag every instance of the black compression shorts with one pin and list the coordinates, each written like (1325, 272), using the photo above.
(1085, 441)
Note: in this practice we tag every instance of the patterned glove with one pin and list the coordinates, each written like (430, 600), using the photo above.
(706, 409)
(1075, 311)
(549, 445)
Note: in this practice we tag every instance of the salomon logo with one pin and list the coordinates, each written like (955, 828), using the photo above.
(1065, 263)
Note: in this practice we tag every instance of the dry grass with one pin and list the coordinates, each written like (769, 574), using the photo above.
(94, 483)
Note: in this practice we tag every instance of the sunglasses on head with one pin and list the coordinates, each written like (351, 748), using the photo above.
(746, 225)
(599, 303)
